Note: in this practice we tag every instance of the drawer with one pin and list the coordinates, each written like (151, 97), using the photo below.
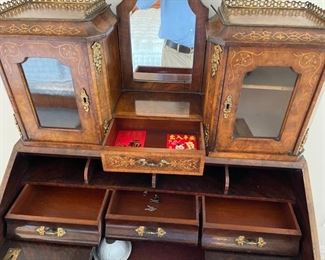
(153, 216)
(57, 214)
(154, 156)
(250, 225)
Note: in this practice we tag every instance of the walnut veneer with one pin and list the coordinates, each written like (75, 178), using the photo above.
(243, 194)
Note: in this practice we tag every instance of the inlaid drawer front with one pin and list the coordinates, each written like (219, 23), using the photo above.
(53, 233)
(154, 162)
(251, 242)
(147, 231)
(154, 146)
(57, 214)
(250, 225)
(153, 216)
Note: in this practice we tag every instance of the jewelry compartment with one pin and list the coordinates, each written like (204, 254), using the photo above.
(57, 214)
(250, 225)
(154, 216)
(151, 154)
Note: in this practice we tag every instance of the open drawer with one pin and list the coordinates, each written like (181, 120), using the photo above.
(248, 225)
(57, 214)
(153, 216)
(153, 156)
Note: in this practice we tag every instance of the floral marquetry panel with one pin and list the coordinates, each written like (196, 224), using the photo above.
(155, 162)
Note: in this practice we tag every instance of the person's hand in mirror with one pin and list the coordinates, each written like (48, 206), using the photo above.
(177, 28)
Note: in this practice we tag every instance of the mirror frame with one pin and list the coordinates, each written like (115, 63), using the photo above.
(123, 12)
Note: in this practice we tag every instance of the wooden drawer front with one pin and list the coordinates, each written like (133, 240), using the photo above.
(250, 225)
(154, 216)
(176, 234)
(54, 233)
(22, 250)
(58, 214)
(118, 160)
(250, 242)
(154, 153)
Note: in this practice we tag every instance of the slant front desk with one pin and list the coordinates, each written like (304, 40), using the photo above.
(200, 162)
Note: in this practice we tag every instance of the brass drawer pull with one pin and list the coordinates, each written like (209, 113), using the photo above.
(84, 100)
(142, 230)
(242, 240)
(12, 254)
(46, 231)
(145, 162)
(227, 107)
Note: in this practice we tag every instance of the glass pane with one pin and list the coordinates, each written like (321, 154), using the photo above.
(51, 89)
(263, 102)
(162, 39)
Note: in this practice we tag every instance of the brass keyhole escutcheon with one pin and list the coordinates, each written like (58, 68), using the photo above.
(227, 107)
(85, 100)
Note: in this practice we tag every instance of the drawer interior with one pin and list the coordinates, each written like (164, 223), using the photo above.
(172, 208)
(58, 204)
(222, 212)
(156, 130)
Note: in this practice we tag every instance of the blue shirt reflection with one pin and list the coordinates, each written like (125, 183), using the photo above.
(177, 20)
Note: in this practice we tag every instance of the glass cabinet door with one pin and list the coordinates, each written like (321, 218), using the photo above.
(50, 86)
(52, 92)
(266, 97)
(263, 102)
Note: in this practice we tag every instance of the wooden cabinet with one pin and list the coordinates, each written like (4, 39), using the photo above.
(261, 116)
(98, 157)
(266, 81)
(56, 74)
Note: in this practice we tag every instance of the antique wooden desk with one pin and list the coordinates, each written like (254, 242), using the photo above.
(243, 192)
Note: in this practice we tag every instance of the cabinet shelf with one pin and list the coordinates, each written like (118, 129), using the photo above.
(159, 105)
(268, 87)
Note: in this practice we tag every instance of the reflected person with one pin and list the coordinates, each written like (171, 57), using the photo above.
(177, 28)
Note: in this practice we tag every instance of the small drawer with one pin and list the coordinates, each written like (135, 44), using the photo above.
(153, 216)
(248, 225)
(57, 214)
(154, 156)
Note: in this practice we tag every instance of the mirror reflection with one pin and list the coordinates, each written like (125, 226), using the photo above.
(162, 37)
(52, 92)
(264, 100)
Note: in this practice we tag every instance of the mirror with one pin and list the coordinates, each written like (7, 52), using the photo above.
(51, 89)
(264, 100)
(162, 40)
(142, 37)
